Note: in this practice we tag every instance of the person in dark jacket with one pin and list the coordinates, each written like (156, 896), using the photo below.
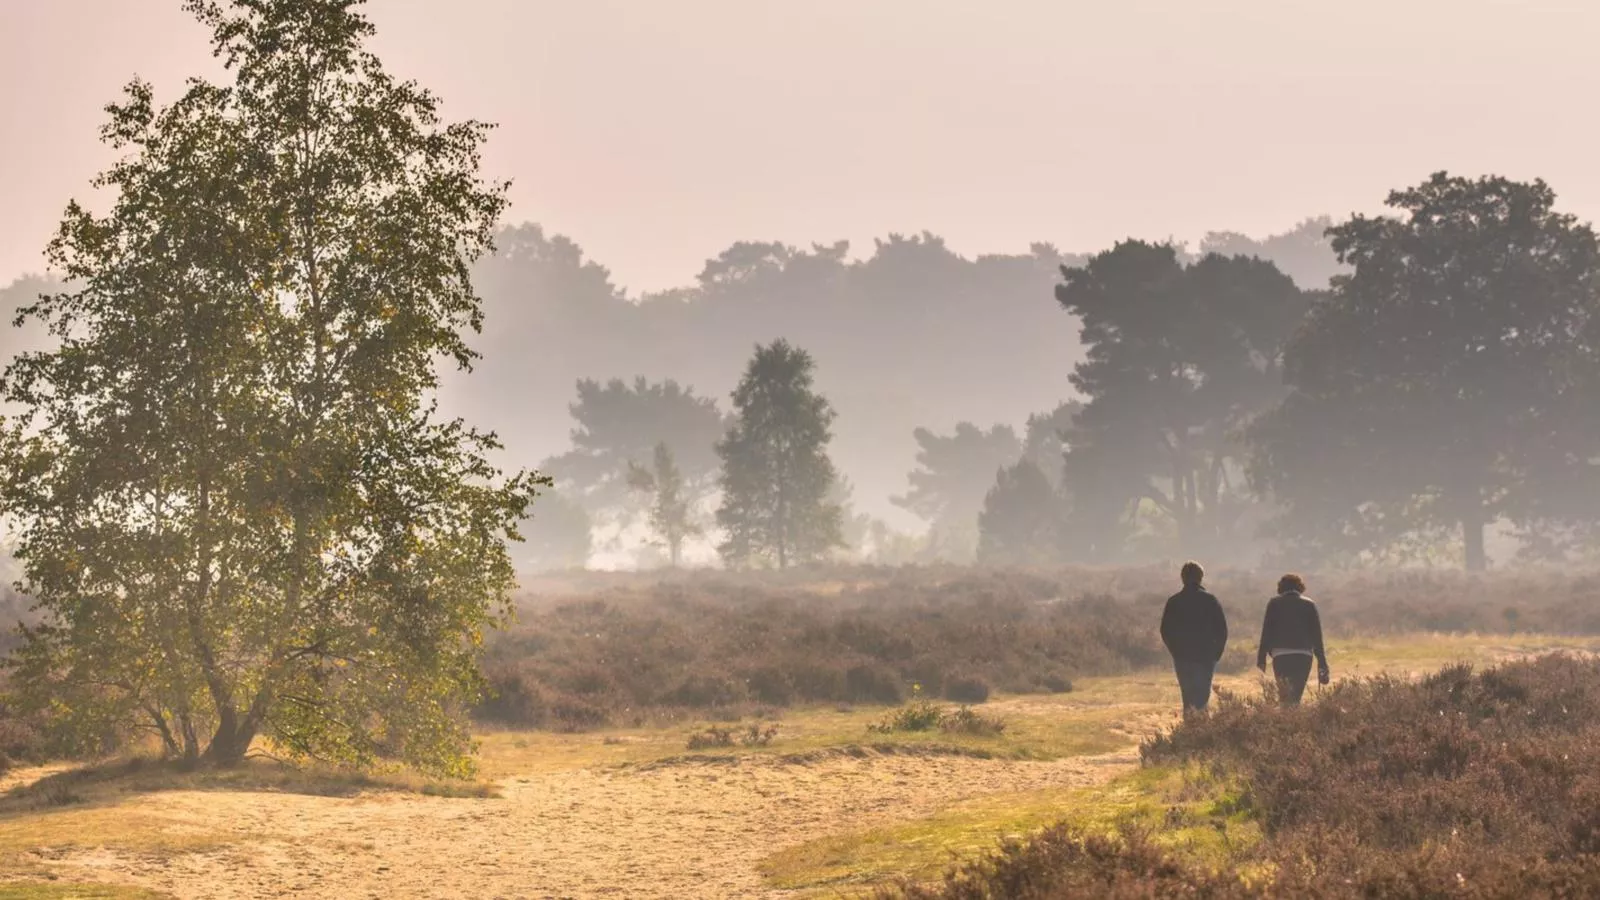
(1291, 633)
(1196, 632)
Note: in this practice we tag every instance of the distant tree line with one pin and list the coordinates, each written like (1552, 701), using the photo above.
(1435, 386)
(1442, 385)
(883, 323)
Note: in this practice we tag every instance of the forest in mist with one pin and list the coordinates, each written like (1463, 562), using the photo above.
(884, 325)
(943, 372)
(1399, 389)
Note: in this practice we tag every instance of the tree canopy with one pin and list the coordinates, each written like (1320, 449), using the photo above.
(953, 473)
(1046, 437)
(1448, 381)
(1304, 252)
(672, 513)
(1179, 357)
(776, 474)
(1020, 524)
(618, 424)
(234, 501)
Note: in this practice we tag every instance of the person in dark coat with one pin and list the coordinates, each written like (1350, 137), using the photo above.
(1196, 632)
(1291, 634)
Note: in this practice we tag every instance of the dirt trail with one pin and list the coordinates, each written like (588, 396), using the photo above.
(684, 831)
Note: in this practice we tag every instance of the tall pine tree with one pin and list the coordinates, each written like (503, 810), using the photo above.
(776, 474)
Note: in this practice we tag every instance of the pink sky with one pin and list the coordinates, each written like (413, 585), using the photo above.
(656, 132)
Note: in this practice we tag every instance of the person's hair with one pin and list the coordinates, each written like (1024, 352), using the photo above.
(1191, 573)
(1291, 582)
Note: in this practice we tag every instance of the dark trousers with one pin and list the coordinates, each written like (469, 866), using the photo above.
(1194, 679)
(1291, 671)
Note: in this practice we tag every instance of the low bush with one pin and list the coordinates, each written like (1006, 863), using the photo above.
(627, 648)
(1056, 683)
(754, 735)
(966, 720)
(967, 689)
(22, 739)
(1464, 784)
(922, 714)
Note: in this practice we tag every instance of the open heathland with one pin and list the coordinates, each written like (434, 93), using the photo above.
(1465, 783)
(830, 803)
(595, 650)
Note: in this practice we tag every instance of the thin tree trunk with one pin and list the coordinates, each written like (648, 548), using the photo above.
(191, 740)
(1472, 527)
(168, 741)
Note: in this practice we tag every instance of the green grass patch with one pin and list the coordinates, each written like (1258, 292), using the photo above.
(1193, 812)
(1421, 653)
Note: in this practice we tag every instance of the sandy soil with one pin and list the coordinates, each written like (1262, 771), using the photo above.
(684, 831)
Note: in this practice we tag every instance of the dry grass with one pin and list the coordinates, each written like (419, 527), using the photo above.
(48, 890)
(108, 782)
(71, 810)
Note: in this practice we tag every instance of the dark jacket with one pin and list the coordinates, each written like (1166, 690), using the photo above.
(1291, 623)
(1193, 626)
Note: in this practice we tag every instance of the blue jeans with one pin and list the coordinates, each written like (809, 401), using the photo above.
(1194, 679)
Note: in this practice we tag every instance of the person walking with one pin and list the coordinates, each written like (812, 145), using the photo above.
(1291, 634)
(1196, 632)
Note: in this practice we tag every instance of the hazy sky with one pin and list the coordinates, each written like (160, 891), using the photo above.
(656, 132)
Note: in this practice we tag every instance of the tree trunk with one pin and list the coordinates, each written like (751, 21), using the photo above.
(228, 746)
(1472, 526)
(783, 525)
(191, 740)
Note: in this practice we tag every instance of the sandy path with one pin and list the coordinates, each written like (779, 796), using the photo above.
(683, 831)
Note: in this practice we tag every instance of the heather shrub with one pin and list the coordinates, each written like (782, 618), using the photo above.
(513, 699)
(873, 683)
(771, 685)
(635, 646)
(1056, 683)
(967, 689)
(1462, 784)
(571, 714)
(705, 690)
(20, 741)
(753, 735)
(966, 720)
(666, 649)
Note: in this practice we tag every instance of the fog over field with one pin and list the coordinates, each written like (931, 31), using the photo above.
(891, 186)
(915, 449)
